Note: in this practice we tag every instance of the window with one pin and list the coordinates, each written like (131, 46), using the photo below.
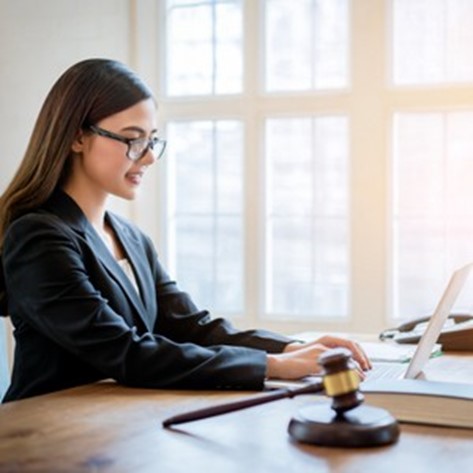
(319, 156)
(205, 211)
(432, 41)
(204, 47)
(306, 44)
(432, 155)
(307, 231)
(206, 176)
(433, 216)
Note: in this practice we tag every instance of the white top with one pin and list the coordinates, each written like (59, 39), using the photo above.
(127, 268)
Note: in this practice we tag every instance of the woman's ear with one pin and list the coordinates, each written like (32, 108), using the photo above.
(78, 143)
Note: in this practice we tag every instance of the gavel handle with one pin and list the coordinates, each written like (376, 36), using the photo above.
(243, 403)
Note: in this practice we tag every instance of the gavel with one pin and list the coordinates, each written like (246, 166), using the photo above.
(347, 423)
(344, 423)
(341, 381)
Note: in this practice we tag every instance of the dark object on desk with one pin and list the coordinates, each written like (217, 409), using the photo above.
(456, 335)
(321, 424)
(346, 423)
(243, 403)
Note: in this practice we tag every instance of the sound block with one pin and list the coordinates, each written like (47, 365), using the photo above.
(363, 426)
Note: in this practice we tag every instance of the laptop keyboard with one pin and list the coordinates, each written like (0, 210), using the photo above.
(386, 371)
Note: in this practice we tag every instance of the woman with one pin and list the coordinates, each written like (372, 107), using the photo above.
(86, 293)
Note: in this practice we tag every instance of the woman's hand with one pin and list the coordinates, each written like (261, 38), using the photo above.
(300, 359)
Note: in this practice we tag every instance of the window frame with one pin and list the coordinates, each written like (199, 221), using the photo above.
(370, 103)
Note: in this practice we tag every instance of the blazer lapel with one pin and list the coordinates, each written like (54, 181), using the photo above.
(117, 273)
(64, 206)
(143, 275)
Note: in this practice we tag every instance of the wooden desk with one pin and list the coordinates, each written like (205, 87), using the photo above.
(108, 428)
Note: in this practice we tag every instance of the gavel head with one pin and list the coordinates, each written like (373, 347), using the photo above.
(341, 381)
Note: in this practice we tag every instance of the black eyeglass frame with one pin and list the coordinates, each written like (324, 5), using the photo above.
(150, 143)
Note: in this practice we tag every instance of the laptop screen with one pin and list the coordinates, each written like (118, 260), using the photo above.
(437, 321)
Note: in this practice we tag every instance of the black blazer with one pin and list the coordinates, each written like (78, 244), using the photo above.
(78, 318)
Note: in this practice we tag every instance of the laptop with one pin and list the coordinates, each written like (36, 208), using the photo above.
(398, 370)
(430, 335)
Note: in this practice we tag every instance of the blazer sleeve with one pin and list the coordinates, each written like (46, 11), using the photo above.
(50, 290)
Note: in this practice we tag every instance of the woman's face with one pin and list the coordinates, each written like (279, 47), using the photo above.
(101, 166)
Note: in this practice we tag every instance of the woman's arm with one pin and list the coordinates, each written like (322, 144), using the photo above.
(50, 289)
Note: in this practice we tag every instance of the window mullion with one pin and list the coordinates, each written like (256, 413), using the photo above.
(369, 121)
(215, 213)
(214, 46)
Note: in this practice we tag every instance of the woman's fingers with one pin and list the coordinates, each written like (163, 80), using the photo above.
(329, 341)
(295, 364)
(304, 361)
(359, 354)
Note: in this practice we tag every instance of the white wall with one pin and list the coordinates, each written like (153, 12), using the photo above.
(39, 39)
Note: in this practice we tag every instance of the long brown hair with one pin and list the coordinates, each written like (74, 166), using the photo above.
(86, 93)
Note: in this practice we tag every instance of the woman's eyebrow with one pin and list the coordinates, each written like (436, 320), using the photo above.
(138, 129)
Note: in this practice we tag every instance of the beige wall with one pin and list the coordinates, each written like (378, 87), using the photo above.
(39, 39)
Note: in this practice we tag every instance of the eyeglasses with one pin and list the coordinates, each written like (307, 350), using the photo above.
(137, 147)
